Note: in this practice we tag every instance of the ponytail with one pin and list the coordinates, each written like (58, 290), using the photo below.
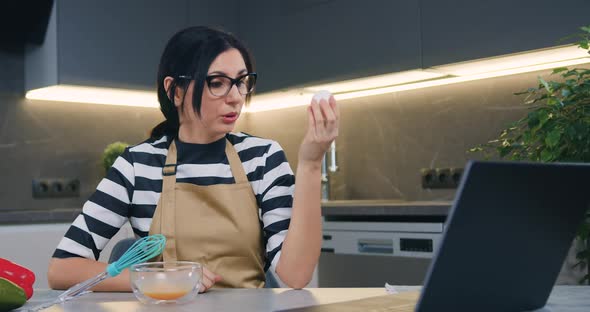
(166, 128)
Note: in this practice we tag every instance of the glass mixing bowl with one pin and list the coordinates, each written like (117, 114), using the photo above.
(166, 282)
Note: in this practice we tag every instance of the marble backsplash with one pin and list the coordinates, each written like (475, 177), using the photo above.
(53, 140)
(384, 140)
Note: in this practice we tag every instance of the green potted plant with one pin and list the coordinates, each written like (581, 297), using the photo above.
(110, 154)
(556, 129)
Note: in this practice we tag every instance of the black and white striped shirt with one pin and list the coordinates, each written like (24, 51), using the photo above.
(132, 188)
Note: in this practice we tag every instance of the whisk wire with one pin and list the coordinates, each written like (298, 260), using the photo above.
(142, 250)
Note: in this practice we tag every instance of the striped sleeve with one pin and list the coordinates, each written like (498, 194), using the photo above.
(103, 214)
(276, 192)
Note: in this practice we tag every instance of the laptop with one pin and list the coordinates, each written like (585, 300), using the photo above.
(505, 240)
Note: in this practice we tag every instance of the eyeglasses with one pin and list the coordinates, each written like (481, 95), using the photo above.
(220, 85)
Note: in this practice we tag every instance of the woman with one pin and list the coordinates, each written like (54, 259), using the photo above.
(226, 200)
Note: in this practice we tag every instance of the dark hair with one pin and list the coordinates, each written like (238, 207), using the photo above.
(190, 52)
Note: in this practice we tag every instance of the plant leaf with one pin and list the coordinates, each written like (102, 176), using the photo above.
(546, 85)
(533, 119)
(552, 101)
(553, 137)
(559, 70)
(543, 117)
(546, 155)
(556, 128)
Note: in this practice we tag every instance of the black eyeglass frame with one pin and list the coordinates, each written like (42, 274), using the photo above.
(233, 81)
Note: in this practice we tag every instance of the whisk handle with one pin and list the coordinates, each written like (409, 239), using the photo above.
(81, 288)
(114, 269)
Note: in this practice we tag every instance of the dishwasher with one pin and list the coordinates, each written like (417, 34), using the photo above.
(361, 253)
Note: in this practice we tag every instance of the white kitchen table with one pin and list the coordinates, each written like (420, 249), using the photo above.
(562, 299)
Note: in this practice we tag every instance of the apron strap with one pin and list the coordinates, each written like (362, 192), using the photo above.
(168, 218)
(237, 169)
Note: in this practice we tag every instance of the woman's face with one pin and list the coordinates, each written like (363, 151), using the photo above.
(218, 113)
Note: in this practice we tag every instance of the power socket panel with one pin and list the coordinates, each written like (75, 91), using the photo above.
(440, 178)
(55, 188)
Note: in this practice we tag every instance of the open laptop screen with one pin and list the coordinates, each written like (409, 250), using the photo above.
(504, 243)
(506, 237)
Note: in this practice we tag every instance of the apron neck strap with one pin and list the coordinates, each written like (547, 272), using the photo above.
(237, 169)
(170, 166)
(168, 215)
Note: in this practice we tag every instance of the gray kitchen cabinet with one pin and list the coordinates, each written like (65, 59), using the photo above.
(295, 42)
(460, 30)
(117, 44)
(218, 14)
(114, 43)
(11, 75)
(305, 42)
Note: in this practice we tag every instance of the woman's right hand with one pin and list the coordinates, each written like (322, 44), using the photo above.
(323, 117)
(209, 279)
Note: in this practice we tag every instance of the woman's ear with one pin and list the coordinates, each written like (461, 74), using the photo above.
(178, 96)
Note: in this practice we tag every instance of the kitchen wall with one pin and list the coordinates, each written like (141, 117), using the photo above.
(53, 139)
(385, 140)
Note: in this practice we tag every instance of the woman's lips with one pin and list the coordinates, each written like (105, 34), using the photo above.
(230, 118)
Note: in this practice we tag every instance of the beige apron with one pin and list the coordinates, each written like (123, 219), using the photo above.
(217, 225)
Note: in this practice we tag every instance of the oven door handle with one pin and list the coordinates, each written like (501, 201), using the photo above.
(377, 246)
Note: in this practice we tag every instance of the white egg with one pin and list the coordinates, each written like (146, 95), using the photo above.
(322, 95)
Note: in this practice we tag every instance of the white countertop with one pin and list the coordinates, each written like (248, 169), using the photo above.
(562, 299)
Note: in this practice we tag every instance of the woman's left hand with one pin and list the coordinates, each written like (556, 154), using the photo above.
(208, 280)
(323, 121)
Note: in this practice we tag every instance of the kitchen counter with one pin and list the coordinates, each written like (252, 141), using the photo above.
(13, 217)
(342, 208)
(562, 299)
(392, 208)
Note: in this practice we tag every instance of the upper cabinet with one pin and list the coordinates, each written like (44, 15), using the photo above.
(111, 43)
(218, 14)
(310, 41)
(460, 30)
(114, 43)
